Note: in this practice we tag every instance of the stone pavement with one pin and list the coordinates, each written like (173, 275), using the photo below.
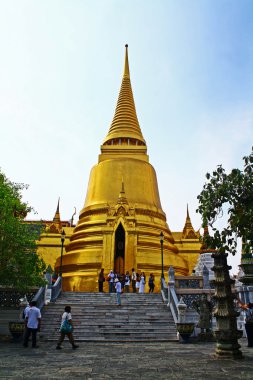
(166, 360)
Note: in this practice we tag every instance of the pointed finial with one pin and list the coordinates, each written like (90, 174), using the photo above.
(126, 68)
(57, 218)
(187, 212)
(58, 205)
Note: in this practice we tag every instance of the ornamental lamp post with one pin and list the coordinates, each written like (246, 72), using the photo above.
(63, 233)
(161, 241)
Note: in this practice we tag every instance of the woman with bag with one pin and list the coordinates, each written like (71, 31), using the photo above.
(66, 328)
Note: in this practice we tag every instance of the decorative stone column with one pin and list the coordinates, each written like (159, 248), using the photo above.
(226, 332)
(247, 267)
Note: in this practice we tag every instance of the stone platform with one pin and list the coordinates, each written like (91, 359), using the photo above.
(136, 360)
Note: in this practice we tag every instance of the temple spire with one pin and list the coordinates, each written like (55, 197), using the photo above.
(125, 128)
(57, 218)
(188, 231)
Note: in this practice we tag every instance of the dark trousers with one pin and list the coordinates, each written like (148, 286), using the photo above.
(62, 336)
(134, 286)
(111, 287)
(100, 286)
(28, 332)
(249, 332)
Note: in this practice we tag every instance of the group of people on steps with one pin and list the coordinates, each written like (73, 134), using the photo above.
(134, 280)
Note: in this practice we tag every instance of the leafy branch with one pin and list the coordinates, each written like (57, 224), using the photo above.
(232, 193)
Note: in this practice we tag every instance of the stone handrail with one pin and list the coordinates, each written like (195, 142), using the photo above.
(164, 290)
(40, 297)
(173, 302)
(56, 289)
(169, 295)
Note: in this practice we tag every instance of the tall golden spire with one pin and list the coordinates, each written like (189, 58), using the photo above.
(188, 231)
(57, 218)
(125, 128)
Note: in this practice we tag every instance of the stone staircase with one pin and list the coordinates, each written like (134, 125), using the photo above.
(96, 316)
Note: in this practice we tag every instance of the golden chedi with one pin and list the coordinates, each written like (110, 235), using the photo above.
(120, 224)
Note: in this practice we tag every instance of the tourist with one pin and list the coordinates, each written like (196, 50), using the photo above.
(137, 284)
(32, 324)
(133, 279)
(118, 291)
(122, 279)
(127, 282)
(142, 283)
(54, 278)
(248, 308)
(66, 328)
(110, 278)
(101, 280)
(151, 283)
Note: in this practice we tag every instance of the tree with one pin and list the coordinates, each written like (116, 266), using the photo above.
(229, 195)
(20, 266)
(232, 195)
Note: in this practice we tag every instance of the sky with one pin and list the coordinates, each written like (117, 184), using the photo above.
(60, 73)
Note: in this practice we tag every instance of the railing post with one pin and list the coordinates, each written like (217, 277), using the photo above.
(181, 307)
(171, 282)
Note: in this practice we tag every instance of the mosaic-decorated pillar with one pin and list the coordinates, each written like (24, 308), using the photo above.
(226, 332)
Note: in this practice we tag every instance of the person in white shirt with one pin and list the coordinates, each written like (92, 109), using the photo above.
(118, 291)
(133, 278)
(32, 324)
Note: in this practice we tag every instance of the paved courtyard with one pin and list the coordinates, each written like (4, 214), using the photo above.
(122, 361)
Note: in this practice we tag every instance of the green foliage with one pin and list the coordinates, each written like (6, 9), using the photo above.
(20, 266)
(232, 192)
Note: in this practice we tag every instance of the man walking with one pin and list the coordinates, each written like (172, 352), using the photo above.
(32, 324)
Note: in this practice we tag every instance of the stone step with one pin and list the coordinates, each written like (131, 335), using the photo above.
(142, 317)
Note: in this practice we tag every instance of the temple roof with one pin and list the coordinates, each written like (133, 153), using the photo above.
(125, 124)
